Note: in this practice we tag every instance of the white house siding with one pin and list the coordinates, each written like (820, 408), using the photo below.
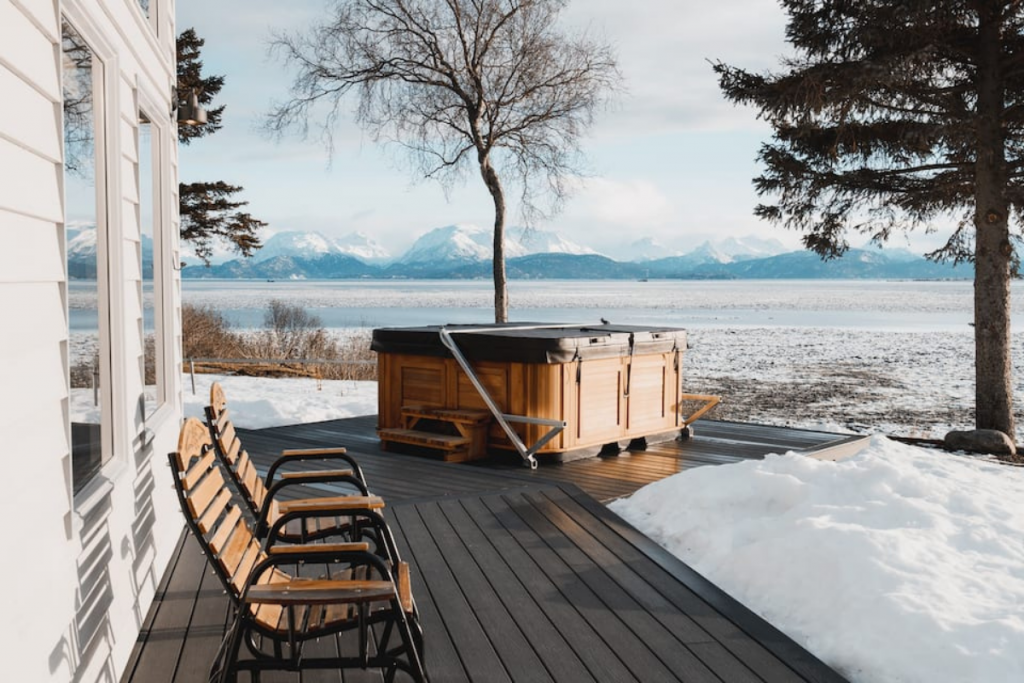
(80, 573)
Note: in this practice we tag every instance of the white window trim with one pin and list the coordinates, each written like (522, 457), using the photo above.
(109, 252)
(163, 277)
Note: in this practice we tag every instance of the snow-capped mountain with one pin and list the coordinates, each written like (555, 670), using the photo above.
(547, 242)
(726, 250)
(81, 242)
(459, 242)
(465, 242)
(709, 252)
(646, 249)
(293, 243)
(749, 247)
(222, 253)
(363, 247)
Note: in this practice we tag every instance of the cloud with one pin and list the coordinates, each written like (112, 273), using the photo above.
(624, 203)
(665, 50)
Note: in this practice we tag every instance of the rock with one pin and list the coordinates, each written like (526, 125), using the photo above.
(981, 441)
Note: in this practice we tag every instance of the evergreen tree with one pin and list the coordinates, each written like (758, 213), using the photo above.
(208, 210)
(901, 115)
(190, 78)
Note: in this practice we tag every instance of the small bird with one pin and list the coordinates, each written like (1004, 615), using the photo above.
(603, 321)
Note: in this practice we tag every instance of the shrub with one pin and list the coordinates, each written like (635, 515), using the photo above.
(290, 333)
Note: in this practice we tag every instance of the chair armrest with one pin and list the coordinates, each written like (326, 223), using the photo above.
(404, 586)
(315, 473)
(362, 547)
(320, 592)
(321, 477)
(300, 454)
(335, 504)
(304, 591)
(312, 452)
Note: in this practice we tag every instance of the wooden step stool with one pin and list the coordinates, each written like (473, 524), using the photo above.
(469, 442)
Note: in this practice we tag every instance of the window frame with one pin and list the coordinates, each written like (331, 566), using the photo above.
(105, 82)
(163, 318)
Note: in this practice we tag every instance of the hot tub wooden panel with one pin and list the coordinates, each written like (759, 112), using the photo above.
(603, 398)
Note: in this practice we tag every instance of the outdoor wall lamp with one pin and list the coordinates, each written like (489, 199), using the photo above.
(189, 111)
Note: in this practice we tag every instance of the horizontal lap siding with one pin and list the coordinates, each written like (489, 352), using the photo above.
(32, 122)
(33, 383)
(101, 565)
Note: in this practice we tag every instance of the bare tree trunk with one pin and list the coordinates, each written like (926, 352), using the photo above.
(500, 284)
(993, 377)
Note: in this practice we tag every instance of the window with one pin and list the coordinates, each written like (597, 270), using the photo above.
(151, 262)
(85, 233)
(149, 10)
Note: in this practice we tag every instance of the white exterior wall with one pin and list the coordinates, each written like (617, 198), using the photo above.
(79, 572)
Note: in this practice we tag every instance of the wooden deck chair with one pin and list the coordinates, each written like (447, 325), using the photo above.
(276, 612)
(296, 521)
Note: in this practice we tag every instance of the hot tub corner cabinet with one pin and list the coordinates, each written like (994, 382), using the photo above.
(608, 383)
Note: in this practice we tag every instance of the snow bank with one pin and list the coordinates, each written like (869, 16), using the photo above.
(260, 402)
(899, 564)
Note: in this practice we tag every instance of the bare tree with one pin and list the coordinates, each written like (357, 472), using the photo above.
(457, 82)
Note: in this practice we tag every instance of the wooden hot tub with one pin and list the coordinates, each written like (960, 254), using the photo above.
(607, 383)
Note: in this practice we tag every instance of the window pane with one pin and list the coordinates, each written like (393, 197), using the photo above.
(89, 357)
(151, 309)
(144, 4)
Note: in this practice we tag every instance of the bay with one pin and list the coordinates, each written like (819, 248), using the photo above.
(882, 305)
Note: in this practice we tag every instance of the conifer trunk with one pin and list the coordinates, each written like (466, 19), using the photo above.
(993, 251)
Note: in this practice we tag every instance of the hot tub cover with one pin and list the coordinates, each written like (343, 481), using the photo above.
(531, 342)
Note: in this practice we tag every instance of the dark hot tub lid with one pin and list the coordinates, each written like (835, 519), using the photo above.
(531, 342)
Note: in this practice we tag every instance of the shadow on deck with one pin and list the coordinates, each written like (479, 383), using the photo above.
(521, 575)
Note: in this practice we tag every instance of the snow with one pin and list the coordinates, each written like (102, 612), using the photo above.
(468, 242)
(262, 402)
(897, 565)
(81, 242)
(646, 249)
(293, 243)
(547, 242)
(363, 247)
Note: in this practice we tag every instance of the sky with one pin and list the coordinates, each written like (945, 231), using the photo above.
(670, 159)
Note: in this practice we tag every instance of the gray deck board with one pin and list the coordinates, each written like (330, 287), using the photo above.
(519, 575)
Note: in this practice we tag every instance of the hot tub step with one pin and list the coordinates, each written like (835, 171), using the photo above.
(455, 415)
(452, 448)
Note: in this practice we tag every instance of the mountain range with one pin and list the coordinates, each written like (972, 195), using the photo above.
(463, 251)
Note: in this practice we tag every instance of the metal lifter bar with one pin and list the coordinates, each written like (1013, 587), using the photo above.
(526, 453)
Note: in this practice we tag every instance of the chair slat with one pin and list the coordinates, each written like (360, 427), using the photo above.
(235, 549)
(222, 419)
(249, 559)
(213, 512)
(196, 472)
(246, 472)
(201, 497)
(220, 539)
(228, 437)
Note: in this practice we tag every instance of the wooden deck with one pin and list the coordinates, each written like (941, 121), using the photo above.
(520, 575)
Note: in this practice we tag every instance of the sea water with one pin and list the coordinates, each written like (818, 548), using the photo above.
(900, 306)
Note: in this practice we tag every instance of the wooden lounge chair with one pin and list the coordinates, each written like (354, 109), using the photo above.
(278, 613)
(295, 521)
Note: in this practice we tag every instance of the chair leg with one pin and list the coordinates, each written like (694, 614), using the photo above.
(225, 664)
(416, 667)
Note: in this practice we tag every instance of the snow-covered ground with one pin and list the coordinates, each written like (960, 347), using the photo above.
(898, 565)
(261, 402)
(864, 381)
